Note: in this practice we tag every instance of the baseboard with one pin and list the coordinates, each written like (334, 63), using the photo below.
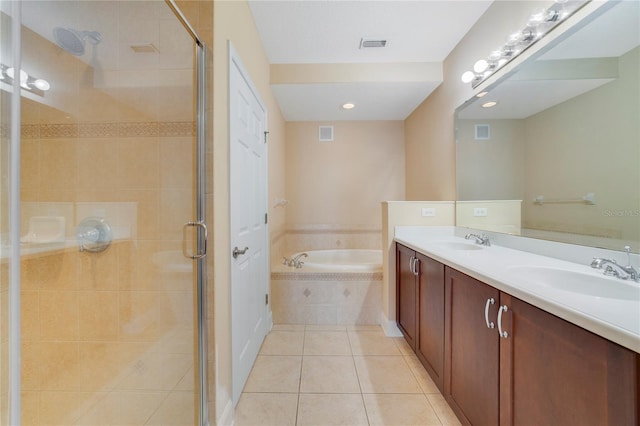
(390, 327)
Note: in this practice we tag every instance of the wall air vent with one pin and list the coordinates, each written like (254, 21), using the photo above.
(325, 133)
(483, 132)
(370, 42)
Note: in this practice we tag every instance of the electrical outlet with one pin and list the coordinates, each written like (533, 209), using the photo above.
(480, 211)
(428, 212)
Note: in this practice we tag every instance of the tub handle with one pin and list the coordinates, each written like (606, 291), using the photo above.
(237, 252)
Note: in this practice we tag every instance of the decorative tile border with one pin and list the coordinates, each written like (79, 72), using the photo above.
(327, 276)
(109, 130)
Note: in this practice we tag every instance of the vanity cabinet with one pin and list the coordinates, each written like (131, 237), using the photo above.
(542, 370)
(406, 290)
(554, 372)
(420, 308)
(472, 349)
(501, 361)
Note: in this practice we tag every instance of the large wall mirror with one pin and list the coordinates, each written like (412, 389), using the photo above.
(558, 156)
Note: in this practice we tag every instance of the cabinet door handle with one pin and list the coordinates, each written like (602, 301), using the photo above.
(411, 260)
(416, 262)
(490, 324)
(502, 309)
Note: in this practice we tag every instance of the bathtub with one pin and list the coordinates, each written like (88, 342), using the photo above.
(343, 260)
(333, 287)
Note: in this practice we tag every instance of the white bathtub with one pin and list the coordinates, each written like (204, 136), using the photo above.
(356, 260)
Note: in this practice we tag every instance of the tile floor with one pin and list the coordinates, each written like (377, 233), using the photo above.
(328, 375)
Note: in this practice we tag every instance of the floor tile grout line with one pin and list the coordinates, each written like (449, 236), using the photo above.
(304, 338)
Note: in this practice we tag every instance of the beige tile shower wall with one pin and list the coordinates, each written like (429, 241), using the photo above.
(403, 213)
(499, 215)
(89, 319)
(343, 182)
(573, 130)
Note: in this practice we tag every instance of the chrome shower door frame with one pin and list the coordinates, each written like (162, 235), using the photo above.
(200, 220)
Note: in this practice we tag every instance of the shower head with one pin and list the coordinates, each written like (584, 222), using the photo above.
(73, 41)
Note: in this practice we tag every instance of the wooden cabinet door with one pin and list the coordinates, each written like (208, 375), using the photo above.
(406, 300)
(430, 344)
(471, 350)
(553, 372)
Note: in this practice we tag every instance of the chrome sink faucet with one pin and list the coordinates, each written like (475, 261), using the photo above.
(483, 239)
(612, 269)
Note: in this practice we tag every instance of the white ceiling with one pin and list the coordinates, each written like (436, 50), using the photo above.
(325, 32)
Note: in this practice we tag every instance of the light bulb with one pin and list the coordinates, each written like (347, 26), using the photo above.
(489, 104)
(42, 84)
(468, 77)
(480, 66)
(348, 105)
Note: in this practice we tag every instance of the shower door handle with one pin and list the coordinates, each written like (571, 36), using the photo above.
(201, 251)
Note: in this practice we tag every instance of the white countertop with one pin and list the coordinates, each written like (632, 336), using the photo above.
(612, 318)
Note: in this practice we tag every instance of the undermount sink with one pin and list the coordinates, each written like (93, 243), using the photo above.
(454, 245)
(577, 282)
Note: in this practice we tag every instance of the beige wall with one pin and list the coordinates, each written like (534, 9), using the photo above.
(233, 22)
(490, 169)
(430, 138)
(343, 182)
(586, 145)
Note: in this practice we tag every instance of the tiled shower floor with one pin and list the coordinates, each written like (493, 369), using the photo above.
(328, 375)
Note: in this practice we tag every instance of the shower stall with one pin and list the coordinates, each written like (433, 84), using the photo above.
(102, 281)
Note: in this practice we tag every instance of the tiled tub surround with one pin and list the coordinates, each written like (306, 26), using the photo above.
(614, 319)
(321, 296)
(311, 296)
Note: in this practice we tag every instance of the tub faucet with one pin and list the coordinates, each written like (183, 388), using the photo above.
(296, 262)
(612, 269)
(483, 239)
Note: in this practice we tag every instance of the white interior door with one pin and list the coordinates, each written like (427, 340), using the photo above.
(248, 193)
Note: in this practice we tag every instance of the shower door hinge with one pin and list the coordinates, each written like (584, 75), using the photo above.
(266, 299)
(265, 136)
(266, 218)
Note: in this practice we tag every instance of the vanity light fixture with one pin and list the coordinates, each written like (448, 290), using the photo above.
(489, 104)
(348, 105)
(540, 23)
(26, 81)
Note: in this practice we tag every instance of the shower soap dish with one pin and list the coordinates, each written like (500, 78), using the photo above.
(45, 229)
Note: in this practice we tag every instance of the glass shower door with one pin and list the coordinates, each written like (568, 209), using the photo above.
(108, 157)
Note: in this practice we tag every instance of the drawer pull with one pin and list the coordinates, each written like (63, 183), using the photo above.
(490, 324)
(502, 309)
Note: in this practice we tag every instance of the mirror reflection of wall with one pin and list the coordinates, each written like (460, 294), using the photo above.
(566, 125)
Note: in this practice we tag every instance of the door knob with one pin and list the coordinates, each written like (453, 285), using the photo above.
(237, 252)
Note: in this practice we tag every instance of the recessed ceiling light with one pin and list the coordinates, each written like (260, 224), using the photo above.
(348, 105)
(481, 94)
(489, 104)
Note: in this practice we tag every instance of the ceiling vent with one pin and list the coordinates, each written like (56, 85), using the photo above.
(371, 42)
